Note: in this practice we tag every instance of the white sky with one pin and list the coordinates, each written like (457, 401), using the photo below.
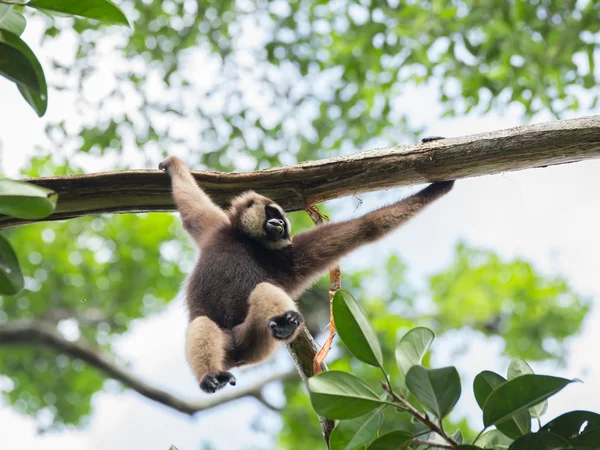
(549, 216)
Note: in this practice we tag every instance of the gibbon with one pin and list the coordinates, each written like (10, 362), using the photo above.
(240, 295)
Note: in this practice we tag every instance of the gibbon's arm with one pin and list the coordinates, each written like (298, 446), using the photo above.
(319, 248)
(197, 210)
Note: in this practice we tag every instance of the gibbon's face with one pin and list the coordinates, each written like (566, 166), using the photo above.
(264, 220)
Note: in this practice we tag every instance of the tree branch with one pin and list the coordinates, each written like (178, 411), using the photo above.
(41, 333)
(296, 187)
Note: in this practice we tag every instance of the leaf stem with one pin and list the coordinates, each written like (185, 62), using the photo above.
(420, 417)
(479, 435)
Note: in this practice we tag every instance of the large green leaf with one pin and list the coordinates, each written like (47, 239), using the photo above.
(437, 389)
(18, 63)
(571, 427)
(26, 200)
(354, 433)
(11, 20)
(494, 439)
(11, 278)
(483, 385)
(518, 395)
(519, 367)
(339, 395)
(354, 329)
(412, 347)
(102, 10)
(394, 440)
(542, 440)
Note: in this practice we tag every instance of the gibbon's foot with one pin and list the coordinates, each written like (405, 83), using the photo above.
(431, 139)
(213, 381)
(284, 325)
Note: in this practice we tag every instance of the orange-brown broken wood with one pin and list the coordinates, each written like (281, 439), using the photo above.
(335, 284)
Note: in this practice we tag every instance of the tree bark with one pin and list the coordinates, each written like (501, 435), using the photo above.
(295, 187)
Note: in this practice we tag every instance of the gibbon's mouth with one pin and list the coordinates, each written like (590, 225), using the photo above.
(275, 229)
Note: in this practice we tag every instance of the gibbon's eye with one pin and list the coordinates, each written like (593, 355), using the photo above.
(250, 203)
(273, 211)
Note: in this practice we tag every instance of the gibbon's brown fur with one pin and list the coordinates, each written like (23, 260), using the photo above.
(241, 292)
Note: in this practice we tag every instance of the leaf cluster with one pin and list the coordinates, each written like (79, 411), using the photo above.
(508, 404)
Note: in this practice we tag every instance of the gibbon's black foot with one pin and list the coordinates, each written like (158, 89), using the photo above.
(431, 139)
(284, 325)
(213, 381)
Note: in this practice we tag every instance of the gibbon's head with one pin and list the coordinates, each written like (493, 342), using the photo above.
(261, 219)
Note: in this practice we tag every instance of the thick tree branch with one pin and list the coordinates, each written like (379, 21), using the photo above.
(296, 187)
(41, 333)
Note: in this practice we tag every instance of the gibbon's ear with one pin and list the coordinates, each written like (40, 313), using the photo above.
(198, 212)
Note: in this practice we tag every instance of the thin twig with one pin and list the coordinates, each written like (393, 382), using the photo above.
(418, 415)
(335, 284)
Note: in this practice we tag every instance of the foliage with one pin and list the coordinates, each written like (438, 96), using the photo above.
(18, 63)
(330, 76)
(345, 397)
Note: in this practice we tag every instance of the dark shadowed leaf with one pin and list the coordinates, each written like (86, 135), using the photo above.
(467, 447)
(11, 20)
(358, 432)
(542, 440)
(339, 395)
(412, 347)
(354, 329)
(580, 428)
(483, 385)
(437, 389)
(11, 278)
(520, 394)
(18, 63)
(519, 367)
(394, 440)
(26, 200)
(102, 10)
(494, 439)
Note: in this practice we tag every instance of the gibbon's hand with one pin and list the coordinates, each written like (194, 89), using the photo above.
(171, 162)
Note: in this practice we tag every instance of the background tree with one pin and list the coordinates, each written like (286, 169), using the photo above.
(247, 85)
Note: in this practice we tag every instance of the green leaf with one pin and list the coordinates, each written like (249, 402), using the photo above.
(18, 63)
(437, 389)
(494, 439)
(519, 367)
(339, 395)
(571, 427)
(542, 440)
(354, 329)
(172, 447)
(394, 440)
(412, 347)
(458, 437)
(11, 278)
(483, 385)
(518, 395)
(467, 447)
(11, 20)
(358, 432)
(26, 200)
(102, 10)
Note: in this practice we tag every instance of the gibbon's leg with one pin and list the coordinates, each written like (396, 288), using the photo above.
(272, 317)
(206, 351)
(320, 247)
(197, 210)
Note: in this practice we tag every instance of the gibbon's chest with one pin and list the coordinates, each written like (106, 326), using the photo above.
(225, 275)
